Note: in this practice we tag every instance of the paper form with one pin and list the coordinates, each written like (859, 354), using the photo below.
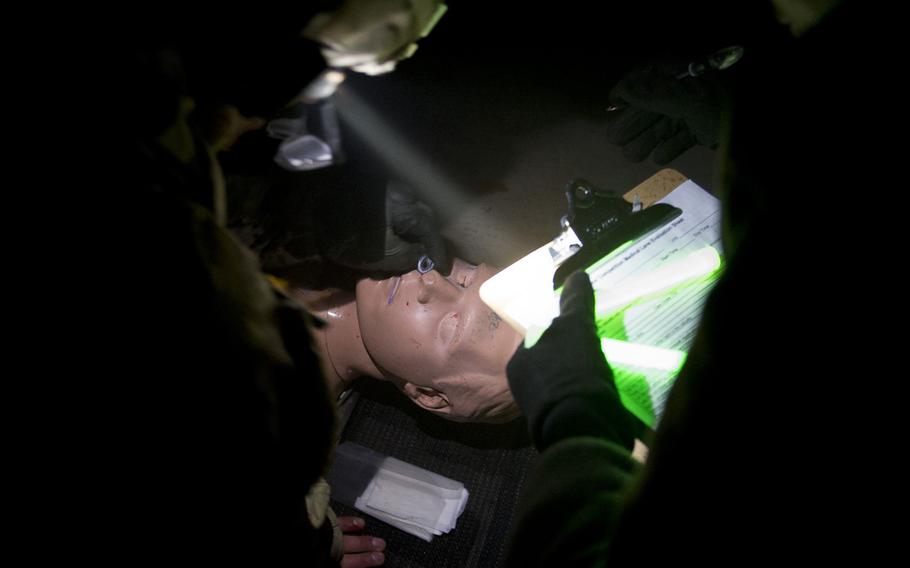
(523, 294)
(669, 319)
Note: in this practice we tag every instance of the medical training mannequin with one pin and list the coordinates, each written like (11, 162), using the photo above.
(429, 334)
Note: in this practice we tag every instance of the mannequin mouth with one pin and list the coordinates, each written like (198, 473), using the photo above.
(450, 329)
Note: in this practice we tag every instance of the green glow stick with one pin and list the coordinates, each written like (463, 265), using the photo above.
(697, 264)
(701, 262)
(638, 355)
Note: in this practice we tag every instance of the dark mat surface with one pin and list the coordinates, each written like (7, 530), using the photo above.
(491, 460)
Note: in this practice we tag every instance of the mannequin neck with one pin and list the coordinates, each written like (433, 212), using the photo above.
(338, 344)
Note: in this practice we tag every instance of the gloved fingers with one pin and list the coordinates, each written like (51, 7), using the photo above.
(401, 256)
(423, 230)
(704, 123)
(657, 87)
(401, 261)
(436, 250)
(642, 146)
(516, 364)
(697, 100)
(415, 224)
(627, 124)
(674, 145)
(652, 88)
(577, 297)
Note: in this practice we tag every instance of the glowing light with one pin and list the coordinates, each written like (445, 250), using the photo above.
(534, 308)
(323, 86)
(700, 263)
(334, 77)
(638, 355)
(408, 162)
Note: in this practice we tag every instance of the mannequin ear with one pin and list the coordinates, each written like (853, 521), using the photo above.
(428, 398)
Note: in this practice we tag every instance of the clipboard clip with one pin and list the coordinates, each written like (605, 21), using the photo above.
(603, 222)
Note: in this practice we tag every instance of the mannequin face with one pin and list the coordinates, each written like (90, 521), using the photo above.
(446, 349)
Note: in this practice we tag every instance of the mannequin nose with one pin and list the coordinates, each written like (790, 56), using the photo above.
(434, 287)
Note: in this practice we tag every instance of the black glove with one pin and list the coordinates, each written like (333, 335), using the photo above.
(374, 232)
(563, 383)
(658, 114)
(412, 232)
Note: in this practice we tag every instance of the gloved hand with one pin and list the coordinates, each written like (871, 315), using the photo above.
(412, 232)
(563, 383)
(661, 115)
(373, 232)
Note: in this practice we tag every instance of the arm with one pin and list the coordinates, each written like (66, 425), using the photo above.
(211, 395)
(565, 388)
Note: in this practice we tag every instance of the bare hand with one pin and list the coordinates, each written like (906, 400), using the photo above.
(360, 551)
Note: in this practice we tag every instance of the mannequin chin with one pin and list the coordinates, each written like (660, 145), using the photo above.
(431, 335)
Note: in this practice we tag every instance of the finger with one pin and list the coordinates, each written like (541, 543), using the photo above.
(641, 147)
(418, 227)
(577, 296)
(353, 544)
(628, 124)
(515, 366)
(399, 261)
(351, 524)
(403, 258)
(412, 222)
(436, 250)
(653, 91)
(363, 560)
(400, 256)
(673, 146)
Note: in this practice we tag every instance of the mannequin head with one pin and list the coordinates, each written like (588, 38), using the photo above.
(446, 349)
(436, 340)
